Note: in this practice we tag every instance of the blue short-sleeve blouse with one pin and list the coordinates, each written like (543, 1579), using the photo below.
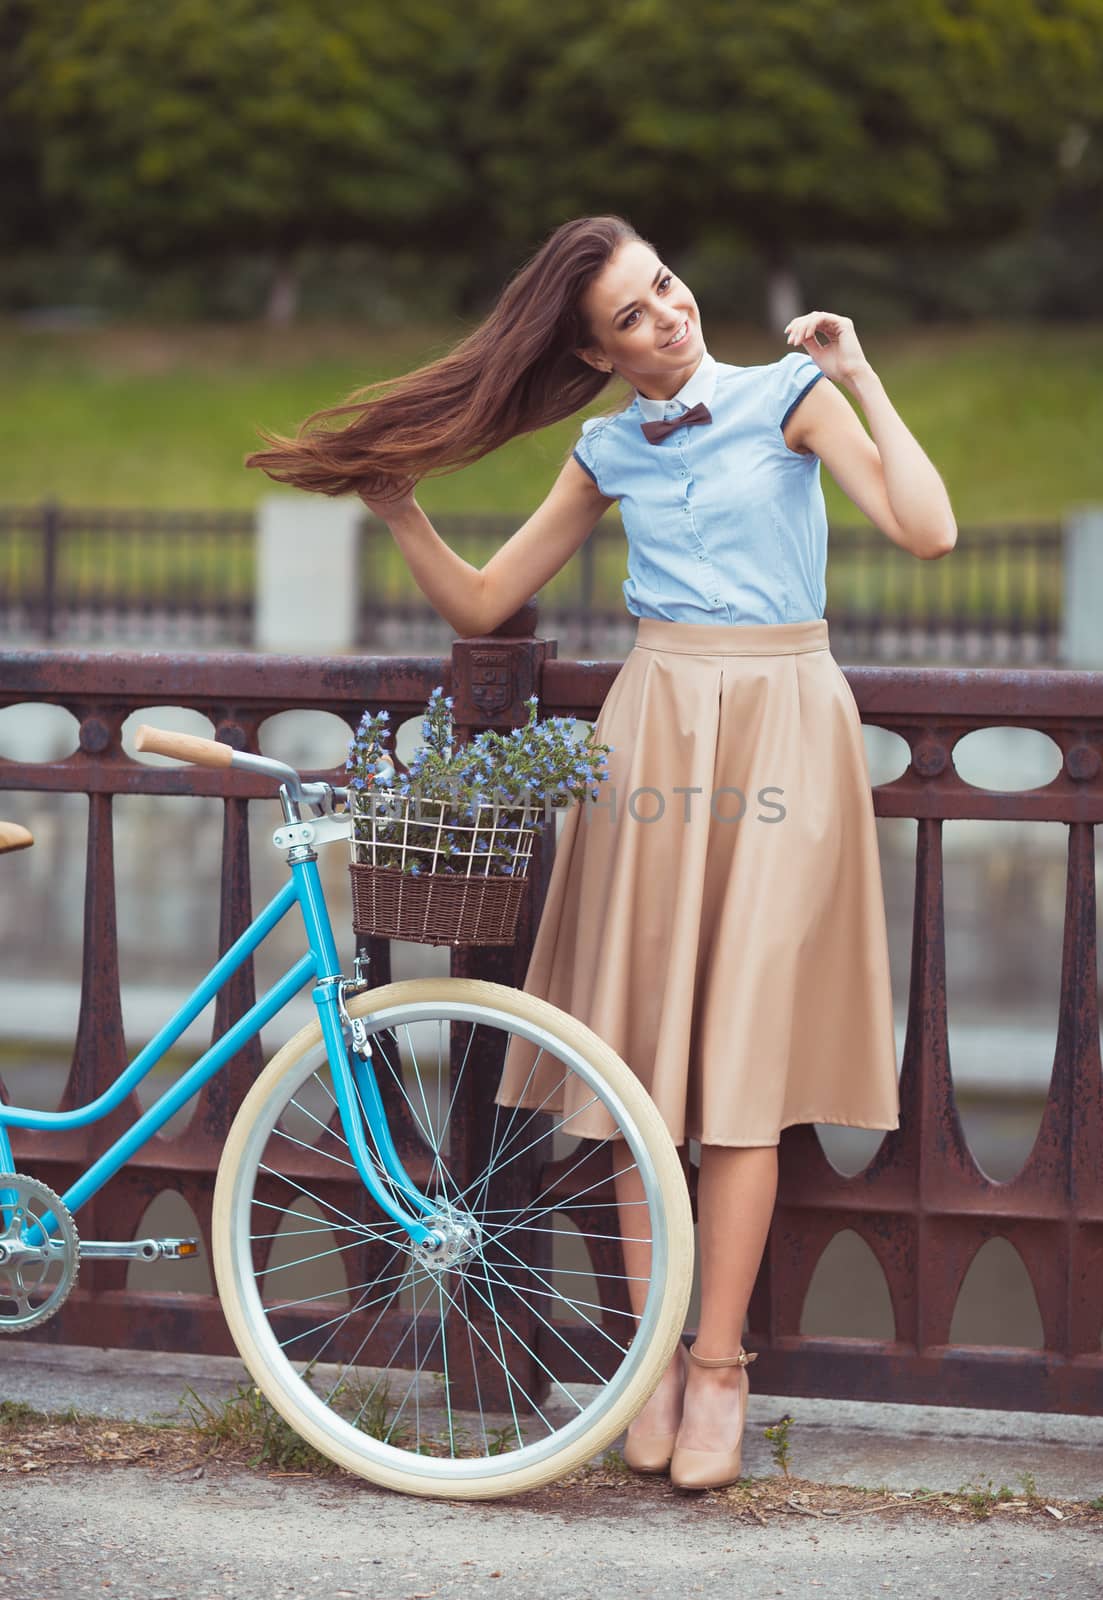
(724, 522)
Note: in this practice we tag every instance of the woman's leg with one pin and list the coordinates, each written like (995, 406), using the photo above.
(736, 1192)
(663, 1410)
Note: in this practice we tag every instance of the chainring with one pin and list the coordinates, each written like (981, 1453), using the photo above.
(37, 1269)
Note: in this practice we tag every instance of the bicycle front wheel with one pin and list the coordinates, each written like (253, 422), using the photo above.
(511, 1356)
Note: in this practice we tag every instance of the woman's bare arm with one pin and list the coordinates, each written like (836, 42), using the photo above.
(476, 600)
(889, 476)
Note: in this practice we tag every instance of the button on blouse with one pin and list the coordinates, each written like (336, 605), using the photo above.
(724, 523)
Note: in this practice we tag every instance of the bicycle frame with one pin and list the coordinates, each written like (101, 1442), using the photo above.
(355, 1087)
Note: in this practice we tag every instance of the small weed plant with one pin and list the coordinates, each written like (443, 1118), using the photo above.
(980, 1498)
(778, 1435)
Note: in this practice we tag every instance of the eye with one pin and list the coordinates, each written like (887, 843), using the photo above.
(628, 323)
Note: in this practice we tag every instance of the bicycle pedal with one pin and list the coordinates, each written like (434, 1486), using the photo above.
(139, 1249)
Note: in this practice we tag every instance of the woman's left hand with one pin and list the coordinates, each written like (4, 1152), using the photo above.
(842, 357)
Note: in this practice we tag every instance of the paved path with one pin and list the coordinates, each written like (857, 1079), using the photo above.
(130, 1533)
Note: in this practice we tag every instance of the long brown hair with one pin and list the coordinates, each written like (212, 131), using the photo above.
(515, 373)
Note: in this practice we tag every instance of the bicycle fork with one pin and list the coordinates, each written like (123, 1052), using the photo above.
(355, 1085)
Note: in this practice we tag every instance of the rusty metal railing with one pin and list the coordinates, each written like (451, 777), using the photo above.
(922, 1205)
(72, 575)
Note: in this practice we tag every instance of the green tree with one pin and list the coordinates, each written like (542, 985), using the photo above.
(24, 220)
(457, 138)
(209, 126)
(795, 121)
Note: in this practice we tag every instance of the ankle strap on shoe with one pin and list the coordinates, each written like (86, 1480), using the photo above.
(744, 1358)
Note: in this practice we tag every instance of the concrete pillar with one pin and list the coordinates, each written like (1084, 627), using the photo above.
(307, 573)
(1081, 642)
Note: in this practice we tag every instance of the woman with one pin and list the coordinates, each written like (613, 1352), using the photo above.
(725, 934)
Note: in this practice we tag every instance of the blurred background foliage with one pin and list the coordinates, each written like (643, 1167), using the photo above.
(919, 160)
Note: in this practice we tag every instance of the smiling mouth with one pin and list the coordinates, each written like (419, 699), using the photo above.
(680, 337)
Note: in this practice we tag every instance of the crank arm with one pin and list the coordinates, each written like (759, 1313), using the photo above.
(138, 1250)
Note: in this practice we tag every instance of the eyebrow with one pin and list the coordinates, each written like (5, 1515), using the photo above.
(661, 273)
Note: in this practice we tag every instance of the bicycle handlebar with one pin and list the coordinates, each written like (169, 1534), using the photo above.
(213, 753)
(184, 747)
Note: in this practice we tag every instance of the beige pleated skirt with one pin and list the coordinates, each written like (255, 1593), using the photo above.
(717, 915)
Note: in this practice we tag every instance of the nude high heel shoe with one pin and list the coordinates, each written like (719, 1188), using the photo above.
(651, 1452)
(713, 1469)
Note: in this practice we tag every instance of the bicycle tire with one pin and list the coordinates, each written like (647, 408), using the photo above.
(297, 1072)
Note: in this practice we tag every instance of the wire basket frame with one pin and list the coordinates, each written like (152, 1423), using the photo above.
(419, 874)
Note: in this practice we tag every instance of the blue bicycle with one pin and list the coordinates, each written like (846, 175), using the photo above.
(486, 1337)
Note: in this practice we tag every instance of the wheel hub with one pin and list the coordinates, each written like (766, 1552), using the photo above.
(460, 1236)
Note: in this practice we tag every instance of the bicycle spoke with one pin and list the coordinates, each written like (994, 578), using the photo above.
(621, 1349)
(304, 1261)
(529, 1351)
(550, 1210)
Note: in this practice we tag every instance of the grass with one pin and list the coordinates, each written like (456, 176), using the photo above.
(251, 1426)
(15, 1412)
(162, 416)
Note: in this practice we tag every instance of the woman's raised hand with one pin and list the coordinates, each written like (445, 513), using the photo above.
(386, 496)
(841, 357)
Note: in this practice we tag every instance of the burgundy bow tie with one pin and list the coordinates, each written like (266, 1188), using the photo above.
(656, 432)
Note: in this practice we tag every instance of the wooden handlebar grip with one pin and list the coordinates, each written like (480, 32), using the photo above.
(14, 837)
(183, 746)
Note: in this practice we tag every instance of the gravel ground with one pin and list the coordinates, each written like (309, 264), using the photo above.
(132, 1535)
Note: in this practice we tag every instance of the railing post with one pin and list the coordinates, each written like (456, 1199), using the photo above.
(1081, 642)
(491, 679)
(307, 574)
(51, 519)
(585, 639)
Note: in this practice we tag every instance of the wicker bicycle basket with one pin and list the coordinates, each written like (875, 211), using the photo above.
(418, 875)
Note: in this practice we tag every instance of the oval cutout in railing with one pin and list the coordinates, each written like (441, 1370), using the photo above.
(1007, 759)
(35, 732)
(305, 1256)
(311, 741)
(996, 1304)
(849, 1150)
(169, 1216)
(848, 1297)
(887, 753)
(175, 719)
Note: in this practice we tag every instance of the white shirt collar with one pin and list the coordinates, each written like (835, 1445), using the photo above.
(699, 386)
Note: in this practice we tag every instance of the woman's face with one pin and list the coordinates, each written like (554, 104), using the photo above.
(636, 309)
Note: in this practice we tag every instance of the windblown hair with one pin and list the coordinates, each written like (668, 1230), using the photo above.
(515, 373)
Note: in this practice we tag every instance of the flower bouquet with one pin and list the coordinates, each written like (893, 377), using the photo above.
(440, 852)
